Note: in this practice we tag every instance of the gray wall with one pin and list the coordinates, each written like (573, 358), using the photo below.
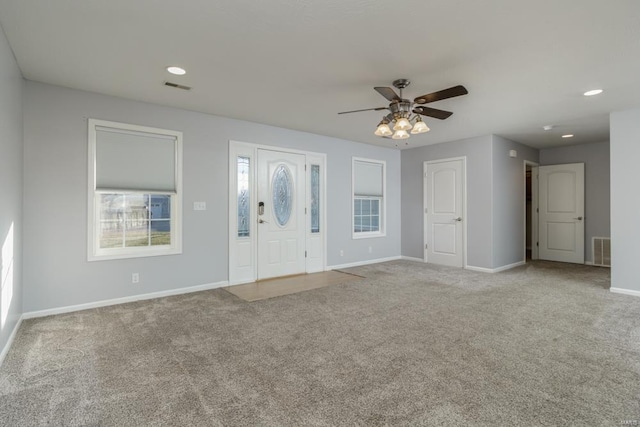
(495, 198)
(479, 196)
(11, 190)
(625, 203)
(597, 185)
(509, 200)
(56, 272)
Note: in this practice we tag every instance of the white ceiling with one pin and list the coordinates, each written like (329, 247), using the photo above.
(296, 63)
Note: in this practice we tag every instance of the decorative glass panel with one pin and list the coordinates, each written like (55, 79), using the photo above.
(243, 197)
(315, 198)
(282, 187)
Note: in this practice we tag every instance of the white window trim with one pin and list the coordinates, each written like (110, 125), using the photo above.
(94, 253)
(383, 208)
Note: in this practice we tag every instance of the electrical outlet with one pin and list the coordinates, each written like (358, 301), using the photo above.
(199, 206)
(341, 252)
(135, 278)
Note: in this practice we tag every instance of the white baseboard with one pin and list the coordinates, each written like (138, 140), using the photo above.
(625, 291)
(497, 269)
(115, 301)
(480, 269)
(359, 263)
(410, 258)
(7, 346)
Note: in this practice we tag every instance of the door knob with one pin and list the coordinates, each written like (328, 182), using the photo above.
(579, 218)
(262, 221)
(457, 219)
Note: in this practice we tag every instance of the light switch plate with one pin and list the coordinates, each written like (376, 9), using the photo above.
(199, 206)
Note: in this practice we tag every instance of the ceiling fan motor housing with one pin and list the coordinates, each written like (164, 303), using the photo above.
(401, 83)
(400, 109)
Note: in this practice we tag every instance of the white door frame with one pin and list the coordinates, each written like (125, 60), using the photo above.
(534, 209)
(246, 249)
(464, 206)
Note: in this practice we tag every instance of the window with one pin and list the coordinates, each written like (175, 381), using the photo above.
(134, 191)
(244, 211)
(368, 198)
(315, 199)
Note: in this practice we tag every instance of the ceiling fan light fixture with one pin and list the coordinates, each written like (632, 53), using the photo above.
(403, 117)
(400, 134)
(402, 124)
(420, 127)
(383, 129)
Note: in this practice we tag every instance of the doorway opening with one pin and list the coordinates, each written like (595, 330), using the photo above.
(530, 211)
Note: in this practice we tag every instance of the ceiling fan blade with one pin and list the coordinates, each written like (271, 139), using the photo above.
(442, 94)
(366, 109)
(432, 112)
(388, 93)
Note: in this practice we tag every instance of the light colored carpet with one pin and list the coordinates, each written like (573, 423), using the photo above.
(412, 344)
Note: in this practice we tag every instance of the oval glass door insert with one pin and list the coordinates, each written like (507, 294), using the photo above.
(282, 186)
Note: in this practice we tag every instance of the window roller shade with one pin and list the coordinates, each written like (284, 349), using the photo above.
(367, 179)
(135, 161)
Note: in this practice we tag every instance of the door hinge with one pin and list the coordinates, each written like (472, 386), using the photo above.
(426, 210)
(305, 167)
(537, 243)
(305, 211)
(305, 254)
(537, 210)
(426, 246)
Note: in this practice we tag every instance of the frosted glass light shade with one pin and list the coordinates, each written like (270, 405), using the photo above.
(400, 134)
(420, 127)
(402, 124)
(383, 130)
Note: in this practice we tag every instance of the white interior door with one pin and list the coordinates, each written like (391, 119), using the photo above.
(281, 214)
(444, 190)
(561, 217)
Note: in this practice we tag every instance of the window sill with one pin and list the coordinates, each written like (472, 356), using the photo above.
(369, 235)
(105, 255)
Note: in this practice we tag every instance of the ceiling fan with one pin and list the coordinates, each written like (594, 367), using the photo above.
(401, 109)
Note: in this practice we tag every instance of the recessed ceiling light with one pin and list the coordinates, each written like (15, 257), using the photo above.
(547, 127)
(569, 135)
(593, 92)
(177, 71)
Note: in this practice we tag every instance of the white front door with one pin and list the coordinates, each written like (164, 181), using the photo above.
(561, 231)
(281, 214)
(444, 189)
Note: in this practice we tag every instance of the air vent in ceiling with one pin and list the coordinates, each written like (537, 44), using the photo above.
(177, 86)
